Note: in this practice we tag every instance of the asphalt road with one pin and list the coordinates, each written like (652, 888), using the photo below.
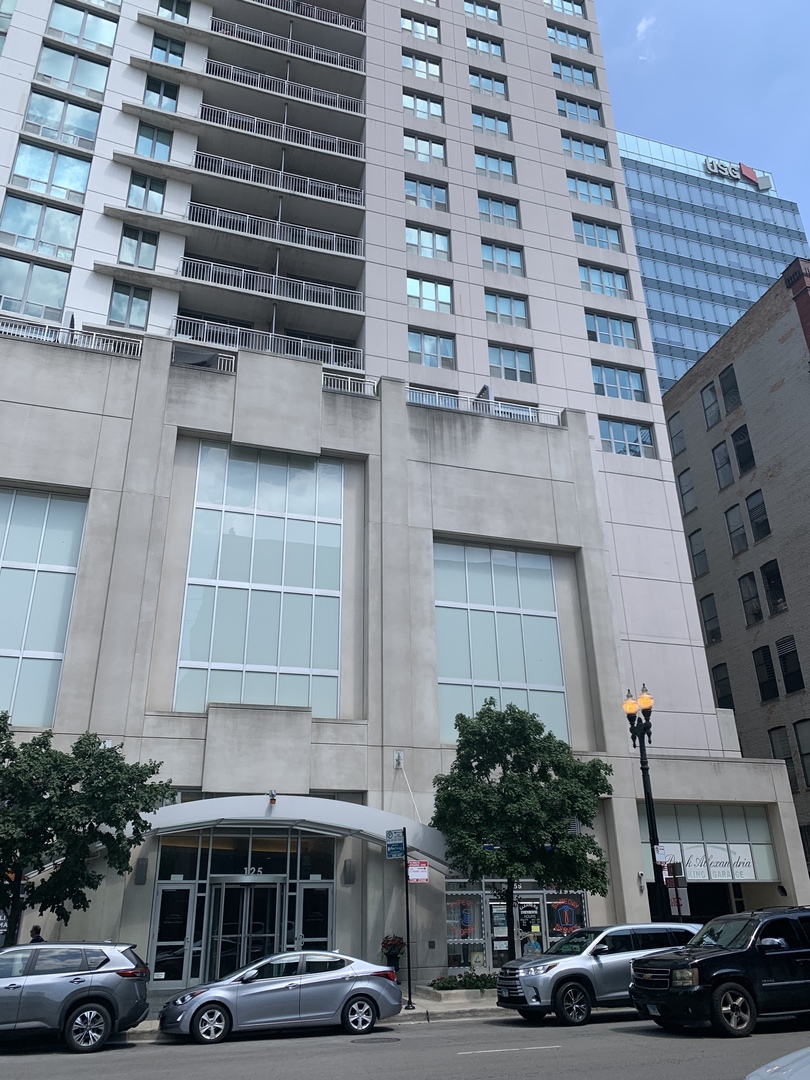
(614, 1046)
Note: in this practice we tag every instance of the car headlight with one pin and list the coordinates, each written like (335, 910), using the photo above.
(185, 998)
(540, 969)
(687, 976)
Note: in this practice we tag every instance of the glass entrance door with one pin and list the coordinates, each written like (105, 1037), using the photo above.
(244, 924)
(311, 912)
(172, 944)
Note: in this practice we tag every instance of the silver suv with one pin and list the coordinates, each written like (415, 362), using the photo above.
(589, 967)
(80, 990)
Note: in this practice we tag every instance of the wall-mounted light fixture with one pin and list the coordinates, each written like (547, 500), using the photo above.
(271, 795)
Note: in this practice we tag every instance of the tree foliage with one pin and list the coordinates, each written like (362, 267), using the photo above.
(57, 810)
(507, 804)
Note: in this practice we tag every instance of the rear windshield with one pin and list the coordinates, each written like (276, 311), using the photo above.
(727, 933)
(575, 943)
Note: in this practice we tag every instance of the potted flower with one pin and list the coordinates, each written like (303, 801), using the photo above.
(392, 947)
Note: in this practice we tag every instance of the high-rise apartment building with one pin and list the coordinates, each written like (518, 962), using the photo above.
(330, 411)
(711, 237)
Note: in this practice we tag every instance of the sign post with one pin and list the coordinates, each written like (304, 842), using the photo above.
(410, 1004)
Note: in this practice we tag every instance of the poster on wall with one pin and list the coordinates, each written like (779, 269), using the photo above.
(565, 914)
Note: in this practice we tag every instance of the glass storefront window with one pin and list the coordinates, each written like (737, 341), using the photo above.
(465, 930)
(317, 861)
(178, 858)
(229, 854)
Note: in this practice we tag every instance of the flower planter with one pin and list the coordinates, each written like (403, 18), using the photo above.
(458, 997)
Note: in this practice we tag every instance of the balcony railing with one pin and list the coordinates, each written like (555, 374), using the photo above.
(280, 181)
(236, 337)
(255, 125)
(345, 384)
(72, 339)
(501, 410)
(269, 229)
(309, 292)
(310, 11)
(287, 45)
(297, 91)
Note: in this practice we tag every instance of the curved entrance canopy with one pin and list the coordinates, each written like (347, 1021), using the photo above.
(302, 812)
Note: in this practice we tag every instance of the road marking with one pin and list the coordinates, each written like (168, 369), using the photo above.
(505, 1050)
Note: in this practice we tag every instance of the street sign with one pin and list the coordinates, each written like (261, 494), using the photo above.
(661, 854)
(395, 844)
(418, 871)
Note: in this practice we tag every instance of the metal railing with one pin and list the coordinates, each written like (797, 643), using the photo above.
(297, 91)
(72, 339)
(237, 337)
(310, 11)
(57, 191)
(270, 229)
(345, 384)
(500, 410)
(255, 125)
(287, 45)
(235, 277)
(280, 181)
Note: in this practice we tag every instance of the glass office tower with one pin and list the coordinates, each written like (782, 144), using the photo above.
(711, 236)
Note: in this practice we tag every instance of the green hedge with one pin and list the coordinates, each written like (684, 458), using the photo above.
(468, 981)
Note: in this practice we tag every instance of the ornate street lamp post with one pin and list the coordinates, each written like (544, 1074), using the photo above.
(638, 715)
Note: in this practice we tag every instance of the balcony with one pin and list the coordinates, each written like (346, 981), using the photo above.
(236, 337)
(282, 288)
(45, 334)
(345, 384)
(278, 180)
(271, 229)
(319, 14)
(287, 45)
(312, 95)
(284, 133)
(499, 410)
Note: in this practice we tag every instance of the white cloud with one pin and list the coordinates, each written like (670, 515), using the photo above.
(643, 29)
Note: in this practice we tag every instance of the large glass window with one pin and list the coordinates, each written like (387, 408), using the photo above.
(487, 46)
(153, 142)
(574, 109)
(604, 282)
(594, 234)
(167, 51)
(584, 149)
(428, 243)
(146, 193)
(572, 39)
(487, 123)
(429, 294)
(160, 95)
(422, 29)
(611, 331)
(502, 259)
(129, 305)
(63, 121)
(421, 106)
(573, 73)
(425, 194)
(43, 230)
(40, 539)
(85, 28)
(633, 440)
(485, 12)
(514, 365)
(32, 290)
(498, 211)
(50, 172)
(485, 83)
(262, 611)
(591, 191)
(505, 309)
(67, 71)
(618, 382)
(423, 67)
(495, 167)
(431, 350)
(138, 247)
(428, 151)
(497, 634)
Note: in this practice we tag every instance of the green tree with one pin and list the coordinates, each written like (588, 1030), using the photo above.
(506, 806)
(57, 809)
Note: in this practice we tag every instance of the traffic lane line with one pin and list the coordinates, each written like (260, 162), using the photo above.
(505, 1050)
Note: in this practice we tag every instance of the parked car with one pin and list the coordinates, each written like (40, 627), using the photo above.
(795, 1066)
(588, 968)
(291, 988)
(737, 968)
(84, 991)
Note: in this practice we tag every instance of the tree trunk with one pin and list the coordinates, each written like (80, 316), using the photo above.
(15, 909)
(510, 916)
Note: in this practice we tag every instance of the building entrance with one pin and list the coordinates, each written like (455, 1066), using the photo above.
(243, 924)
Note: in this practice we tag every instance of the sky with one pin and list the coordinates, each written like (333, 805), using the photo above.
(726, 78)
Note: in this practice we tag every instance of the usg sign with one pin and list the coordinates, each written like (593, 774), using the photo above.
(737, 172)
(722, 168)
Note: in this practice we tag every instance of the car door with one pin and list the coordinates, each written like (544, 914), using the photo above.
(59, 977)
(612, 954)
(13, 962)
(325, 985)
(273, 996)
(784, 969)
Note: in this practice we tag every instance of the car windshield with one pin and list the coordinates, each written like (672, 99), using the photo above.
(726, 933)
(575, 943)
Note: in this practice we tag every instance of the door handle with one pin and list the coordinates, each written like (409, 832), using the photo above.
(78, 979)
(291, 986)
(13, 986)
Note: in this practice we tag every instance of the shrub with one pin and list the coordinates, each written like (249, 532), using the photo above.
(468, 981)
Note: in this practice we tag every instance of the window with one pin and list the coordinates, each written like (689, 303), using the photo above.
(711, 623)
(758, 516)
(736, 530)
(572, 39)
(743, 450)
(628, 440)
(498, 211)
(484, 83)
(66, 71)
(611, 331)
(597, 279)
(129, 305)
(591, 191)
(780, 748)
(584, 111)
(51, 118)
(573, 73)
(429, 151)
(422, 107)
(607, 237)
(35, 291)
(177, 10)
(487, 123)
(423, 193)
(40, 541)
(40, 229)
(752, 609)
(501, 259)
(427, 242)
(49, 172)
(677, 439)
(423, 29)
(422, 67)
(722, 687)
(617, 382)
(167, 51)
(146, 193)
(568, 7)
(514, 365)
(711, 406)
(652, 939)
(153, 142)
(487, 46)
(429, 294)
(766, 676)
(507, 310)
(495, 167)
(686, 490)
(486, 12)
(138, 248)
(728, 388)
(802, 732)
(772, 584)
(789, 663)
(431, 350)
(160, 95)
(584, 150)
(697, 551)
(77, 27)
(722, 466)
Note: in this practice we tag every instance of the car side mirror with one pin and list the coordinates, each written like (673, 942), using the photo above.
(773, 943)
(601, 948)
(250, 976)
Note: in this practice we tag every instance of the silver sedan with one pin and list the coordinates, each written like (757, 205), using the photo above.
(291, 988)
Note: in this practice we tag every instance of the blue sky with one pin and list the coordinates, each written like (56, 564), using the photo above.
(727, 78)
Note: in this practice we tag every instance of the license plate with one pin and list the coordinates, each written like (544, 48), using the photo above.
(653, 1010)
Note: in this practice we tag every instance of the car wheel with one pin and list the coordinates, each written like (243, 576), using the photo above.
(667, 1025)
(572, 1004)
(733, 1011)
(533, 1015)
(359, 1016)
(210, 1024)
(87, 1029)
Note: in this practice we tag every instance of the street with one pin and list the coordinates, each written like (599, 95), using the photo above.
(614, 1045)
